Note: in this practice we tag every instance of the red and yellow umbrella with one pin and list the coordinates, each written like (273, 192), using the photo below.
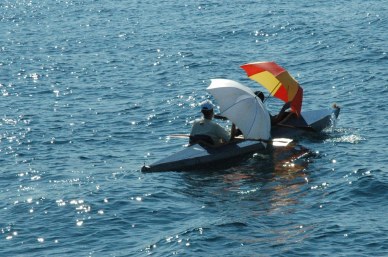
(277, 81)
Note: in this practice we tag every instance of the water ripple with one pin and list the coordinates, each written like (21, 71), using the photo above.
(90, 91)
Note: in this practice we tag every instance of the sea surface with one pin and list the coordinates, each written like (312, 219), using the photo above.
(91, 89)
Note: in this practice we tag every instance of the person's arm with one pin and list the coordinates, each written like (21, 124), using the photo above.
(285, 107)
(194, 128)
(233, 132)
(222, 133)
(280, 116)
(220, 117)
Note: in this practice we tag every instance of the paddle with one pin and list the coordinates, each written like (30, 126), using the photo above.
(178, 136)
(274, 142)
(307, 128)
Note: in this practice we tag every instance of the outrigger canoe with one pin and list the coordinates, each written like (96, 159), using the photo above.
(197, 157)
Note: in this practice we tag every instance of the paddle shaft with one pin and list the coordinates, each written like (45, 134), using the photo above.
(284, 140)
(307, 128)
(179, 136)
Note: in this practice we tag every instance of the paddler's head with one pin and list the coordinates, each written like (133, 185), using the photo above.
(260, 95)
(207, 109)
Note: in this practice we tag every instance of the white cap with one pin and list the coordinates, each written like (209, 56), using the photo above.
(206, 105)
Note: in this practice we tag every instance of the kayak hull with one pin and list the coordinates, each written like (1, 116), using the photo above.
(196, 157)
(308, 122)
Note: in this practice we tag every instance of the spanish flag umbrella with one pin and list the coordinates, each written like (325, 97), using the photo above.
(277, 81)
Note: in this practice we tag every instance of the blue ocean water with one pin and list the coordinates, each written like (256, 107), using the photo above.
(91, 89)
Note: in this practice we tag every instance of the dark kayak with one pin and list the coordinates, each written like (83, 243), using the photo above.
(197, 157)
(309, 121)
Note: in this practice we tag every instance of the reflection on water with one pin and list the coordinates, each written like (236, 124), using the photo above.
(278, 163)
(227, 202)
(280, 169)
(278, 175)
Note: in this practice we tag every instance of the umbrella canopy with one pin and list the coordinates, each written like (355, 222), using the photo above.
(240, 105)
(277, 81)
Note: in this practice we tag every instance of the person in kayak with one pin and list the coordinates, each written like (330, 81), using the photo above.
(282, 115)
(206, 131)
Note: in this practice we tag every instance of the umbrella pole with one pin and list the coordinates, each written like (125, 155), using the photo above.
(270, 93)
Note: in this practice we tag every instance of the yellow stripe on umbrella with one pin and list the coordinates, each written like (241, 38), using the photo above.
(277, 81)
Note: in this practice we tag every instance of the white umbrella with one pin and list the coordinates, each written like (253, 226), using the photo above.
(241, 106)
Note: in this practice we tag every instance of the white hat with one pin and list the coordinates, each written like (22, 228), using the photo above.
(206, 105)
